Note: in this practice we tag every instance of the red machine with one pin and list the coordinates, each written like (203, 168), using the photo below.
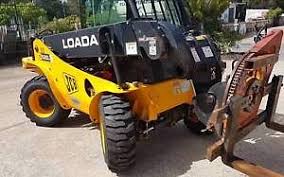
(237, 113)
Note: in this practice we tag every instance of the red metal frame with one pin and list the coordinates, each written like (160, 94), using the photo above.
(238, 124)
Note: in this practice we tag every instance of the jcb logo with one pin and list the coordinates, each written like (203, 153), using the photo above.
(70, 83)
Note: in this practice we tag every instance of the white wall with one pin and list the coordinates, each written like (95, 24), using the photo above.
(256, 13)
(225, 15)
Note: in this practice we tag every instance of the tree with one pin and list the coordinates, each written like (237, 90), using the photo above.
(61, 25)
(264, 4)
(260, 4)
(274, 15)
(280, 3)
(73, 7)
(77, 8)
(6, 12)
(30, 13)
(54, 8)
(207, 12)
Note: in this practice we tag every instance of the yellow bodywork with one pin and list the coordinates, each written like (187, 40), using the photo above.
(68, 86)
(36, 107)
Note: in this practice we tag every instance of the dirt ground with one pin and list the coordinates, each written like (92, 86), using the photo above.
(73, 149)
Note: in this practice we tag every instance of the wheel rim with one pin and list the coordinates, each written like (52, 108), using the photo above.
(41, 104)
(103, 137)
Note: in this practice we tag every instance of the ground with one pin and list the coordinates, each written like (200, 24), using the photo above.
(73, 149)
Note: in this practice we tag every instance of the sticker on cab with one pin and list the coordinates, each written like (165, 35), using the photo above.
(195, 55)
(153, 47)
(207, 52)
(131, 48)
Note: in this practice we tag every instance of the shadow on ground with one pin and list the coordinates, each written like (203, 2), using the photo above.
(264, 147)
(10, 63)
(78, 120)
(168, 147)
(171, 152)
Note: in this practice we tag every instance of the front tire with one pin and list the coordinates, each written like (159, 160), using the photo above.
(40, 105)
(117, 133)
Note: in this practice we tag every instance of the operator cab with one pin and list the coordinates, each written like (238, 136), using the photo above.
(145, 41)
(107, 12)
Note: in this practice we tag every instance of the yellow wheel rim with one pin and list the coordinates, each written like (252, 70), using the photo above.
(103, 136)
(41, 104)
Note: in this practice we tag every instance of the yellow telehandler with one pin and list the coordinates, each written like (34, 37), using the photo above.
(142, 66)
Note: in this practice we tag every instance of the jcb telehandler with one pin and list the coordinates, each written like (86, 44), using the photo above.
(145, 69)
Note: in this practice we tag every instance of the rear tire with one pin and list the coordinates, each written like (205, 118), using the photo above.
(117, 133)
(40, 105)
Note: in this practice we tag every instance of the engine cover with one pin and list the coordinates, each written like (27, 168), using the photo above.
(145, 50)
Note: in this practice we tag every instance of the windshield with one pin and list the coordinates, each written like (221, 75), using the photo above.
(167, 10)
(102, 12)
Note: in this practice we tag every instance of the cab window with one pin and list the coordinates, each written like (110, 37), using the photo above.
(166, 10)
(104, 12)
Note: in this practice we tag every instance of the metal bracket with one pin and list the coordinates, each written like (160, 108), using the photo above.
(272, 104)
(233, 133)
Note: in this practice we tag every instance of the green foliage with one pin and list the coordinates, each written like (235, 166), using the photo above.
(54, 8)
(207, 12)
(76, 7)
(260, 4)
(6, 12)
(12, 1)
(226, 39)
(61, 25)
(29, 12)
(73, 7)
(265, 3)
(280, 3)
(274, 13)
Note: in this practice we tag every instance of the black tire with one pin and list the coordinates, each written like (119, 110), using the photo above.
(196, 127)
(117, 133)
(58, 114)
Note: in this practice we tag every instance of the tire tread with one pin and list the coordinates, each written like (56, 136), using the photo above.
(120, 133)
